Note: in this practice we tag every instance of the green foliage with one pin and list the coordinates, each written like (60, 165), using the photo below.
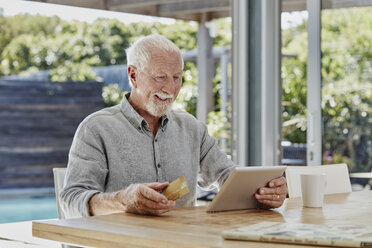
(14, 26)
(347, 85)
(187, 97)
(294, 99)
(346, 91)
(112, 95)
(223, 37)
(347, 120)
(219, 126)
(294, 84)
(100, 43)
(16, 55)
(347, 43)
(72, 72)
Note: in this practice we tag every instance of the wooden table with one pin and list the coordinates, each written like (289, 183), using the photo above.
(193, 227)
(367, 175)
(18, 234)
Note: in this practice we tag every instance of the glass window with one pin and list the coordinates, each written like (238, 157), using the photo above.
(347, 86)
(346, 71)
(294, 60)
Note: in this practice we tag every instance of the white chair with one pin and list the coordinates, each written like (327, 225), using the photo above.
(338, 180)
(364, 175)
(59, 177)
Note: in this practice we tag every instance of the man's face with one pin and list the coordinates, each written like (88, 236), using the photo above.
(159, 83)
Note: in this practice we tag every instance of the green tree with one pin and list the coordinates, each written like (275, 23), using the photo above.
(294, 84)
(14, 26)
(75, 72)
(347, 85)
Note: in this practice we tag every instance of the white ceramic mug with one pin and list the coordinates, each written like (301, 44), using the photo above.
(313, 187)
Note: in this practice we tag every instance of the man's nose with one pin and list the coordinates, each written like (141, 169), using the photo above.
(169, 85)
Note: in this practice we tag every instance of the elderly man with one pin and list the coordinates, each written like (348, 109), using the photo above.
(124, 156)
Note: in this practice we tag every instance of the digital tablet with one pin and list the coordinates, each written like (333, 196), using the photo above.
(238, 190)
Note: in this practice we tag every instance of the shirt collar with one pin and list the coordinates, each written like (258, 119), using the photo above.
(136, 119)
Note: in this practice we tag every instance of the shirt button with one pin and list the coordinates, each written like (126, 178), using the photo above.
(158, 165)
(156, 140)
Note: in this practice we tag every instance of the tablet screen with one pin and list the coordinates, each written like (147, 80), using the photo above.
(238, 191)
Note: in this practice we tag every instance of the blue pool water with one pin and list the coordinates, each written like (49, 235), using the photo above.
(25, 209)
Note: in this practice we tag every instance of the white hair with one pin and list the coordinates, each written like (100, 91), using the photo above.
(138, 54)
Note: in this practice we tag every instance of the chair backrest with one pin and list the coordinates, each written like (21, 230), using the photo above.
(338, 180)
(59, 177)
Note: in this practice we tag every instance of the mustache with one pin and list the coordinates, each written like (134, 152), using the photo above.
(163, 95)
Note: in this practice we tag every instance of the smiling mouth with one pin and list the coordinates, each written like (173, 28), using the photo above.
(162, 99)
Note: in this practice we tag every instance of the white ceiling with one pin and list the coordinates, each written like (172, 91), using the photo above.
(192, 9)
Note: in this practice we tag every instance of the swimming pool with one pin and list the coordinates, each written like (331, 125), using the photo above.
(28, 208)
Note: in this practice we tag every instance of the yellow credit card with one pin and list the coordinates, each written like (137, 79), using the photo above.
(176, 189)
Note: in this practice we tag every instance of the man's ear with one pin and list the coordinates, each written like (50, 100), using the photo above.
(132, 73)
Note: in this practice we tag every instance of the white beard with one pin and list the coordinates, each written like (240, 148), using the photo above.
(157, 108)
